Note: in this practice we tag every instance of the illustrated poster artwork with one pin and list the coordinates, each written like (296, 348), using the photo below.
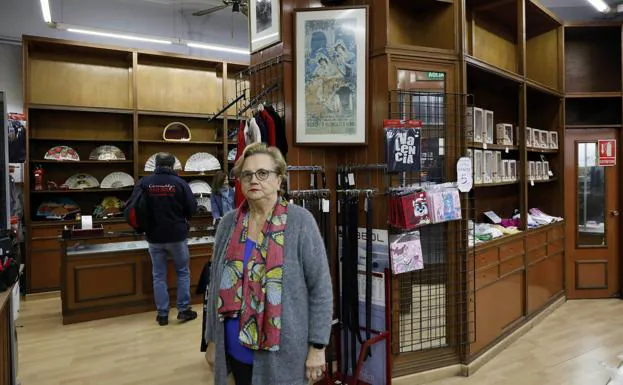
(264, 15)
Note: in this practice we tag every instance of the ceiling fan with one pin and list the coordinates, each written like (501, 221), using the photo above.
(236, 6)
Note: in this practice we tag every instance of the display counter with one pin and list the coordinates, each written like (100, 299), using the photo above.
(101, 280)
(8, 350)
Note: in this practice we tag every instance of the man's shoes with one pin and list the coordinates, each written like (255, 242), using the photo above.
(163, 320)
(187, 315)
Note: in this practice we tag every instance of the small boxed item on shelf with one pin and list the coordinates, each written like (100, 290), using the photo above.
(538, 171)
(544, 139)
(474, 126)
(498, 169)
(536, 138)
(489, 166)
(528, 137)
(506, 174)
(531, 170)
(504, 134)
(478, 166)
(546, 170)
(489, 127)
(553, 140)
(513, 166)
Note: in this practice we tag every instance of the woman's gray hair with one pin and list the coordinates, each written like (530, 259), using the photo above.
(262, 148)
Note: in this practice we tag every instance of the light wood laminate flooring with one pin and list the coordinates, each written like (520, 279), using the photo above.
(566, 348)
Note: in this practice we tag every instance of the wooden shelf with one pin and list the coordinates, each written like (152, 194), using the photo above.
(67, 162)
(422, 23)
(535, 85)
(589, 126)
(496, 242)
(552, 179)
(497, 147)
(190, 143)
(183, 174)
(80, 109)
(495, 184)
(176, 114)
(81, 140)
(47, 223)
(543, 150)
(82, 191)
(587, 95)
(482, 65)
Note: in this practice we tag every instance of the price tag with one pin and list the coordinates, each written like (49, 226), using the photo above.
(351, 179)
(365, 205)
(312, 181)
(325, 205)
(291, 201)
(550, 173)
(484, 146)
(532, 182)
(506, 150)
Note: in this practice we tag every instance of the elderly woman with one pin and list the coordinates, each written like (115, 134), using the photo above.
(270, 299)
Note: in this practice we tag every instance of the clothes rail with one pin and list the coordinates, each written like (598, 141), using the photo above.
(357, 191)
(255, 100)
(317, 193)
(362, 167)
(305, 168)
(234, 101)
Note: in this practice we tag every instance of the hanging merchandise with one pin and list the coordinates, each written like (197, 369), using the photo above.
(405, 251)
(17, 138)
(402, 145)
(409, 211)
(444, 203)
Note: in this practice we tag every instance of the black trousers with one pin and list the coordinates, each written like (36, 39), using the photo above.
(243, 373)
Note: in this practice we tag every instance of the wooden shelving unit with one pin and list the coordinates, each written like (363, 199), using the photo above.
(85, 96)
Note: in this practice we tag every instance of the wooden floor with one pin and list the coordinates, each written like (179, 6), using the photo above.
(565, 349)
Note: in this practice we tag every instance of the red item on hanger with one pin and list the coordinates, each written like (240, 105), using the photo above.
(270, 125)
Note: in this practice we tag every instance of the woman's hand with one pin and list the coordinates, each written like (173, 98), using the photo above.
(210, 354)
(315, 364)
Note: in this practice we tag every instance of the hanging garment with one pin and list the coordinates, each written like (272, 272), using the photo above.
(270, 127)
(281, 140)
(262, 126)
(252, 132)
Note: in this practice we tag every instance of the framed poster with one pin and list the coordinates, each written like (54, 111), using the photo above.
(330, 75)
(264, 23)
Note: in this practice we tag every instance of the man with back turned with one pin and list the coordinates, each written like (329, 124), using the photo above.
(171, 204)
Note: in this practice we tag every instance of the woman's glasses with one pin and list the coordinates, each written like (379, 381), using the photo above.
(260, 174)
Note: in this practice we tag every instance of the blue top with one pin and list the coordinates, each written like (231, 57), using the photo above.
(232, 325)
(222, 201)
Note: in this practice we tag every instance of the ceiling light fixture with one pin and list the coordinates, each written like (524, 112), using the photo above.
(600, 5)
(45, 11)
(114, 35)
(218, 48)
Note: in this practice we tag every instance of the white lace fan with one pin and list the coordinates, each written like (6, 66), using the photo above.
(200, 187)
(202, 162)
(150, 165)
(81, 181)
(204, 205)
(117, 180)
(107, 152)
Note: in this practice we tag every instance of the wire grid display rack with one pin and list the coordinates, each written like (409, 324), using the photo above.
(434, 307)
(261, 83)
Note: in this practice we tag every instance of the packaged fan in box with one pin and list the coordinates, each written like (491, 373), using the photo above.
(107, 152)
(200, 187)
(81, 181)
(117, 180)
(62, 153)
(150, 165)
(202, 162)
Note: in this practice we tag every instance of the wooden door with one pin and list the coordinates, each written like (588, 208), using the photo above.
(592, 215)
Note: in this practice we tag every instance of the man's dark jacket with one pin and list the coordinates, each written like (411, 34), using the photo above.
(171, 204)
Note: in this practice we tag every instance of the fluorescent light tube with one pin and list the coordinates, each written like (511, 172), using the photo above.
(45, 11)
(118, 36)
(218, 48)
(600, 5)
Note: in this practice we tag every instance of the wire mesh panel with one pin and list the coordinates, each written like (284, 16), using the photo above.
(433, 307)
(261, 83)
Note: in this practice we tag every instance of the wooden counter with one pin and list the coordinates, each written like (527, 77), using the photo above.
(7, 338)
(114, 279)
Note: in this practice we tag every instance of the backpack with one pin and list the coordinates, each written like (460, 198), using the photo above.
(136, 211)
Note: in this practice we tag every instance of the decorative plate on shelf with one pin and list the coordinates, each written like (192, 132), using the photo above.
(81, 181)
(204, 205)
(117, 180)
(150, 165)
(202, 162)
(200, 187)
(62, 153)
(176, 132)
(107, 152)
(231, 156)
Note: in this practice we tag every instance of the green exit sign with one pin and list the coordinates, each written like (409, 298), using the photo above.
(436, 75)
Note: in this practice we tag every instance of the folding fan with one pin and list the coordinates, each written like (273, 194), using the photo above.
(117, 180)
(81, 181)
(204, 205)
(62, 153)
(231, 156)
(150, 165)
(58, 208)
(107, 152)
(176, 132)
(110, 206)
(201, 162)
(200, 187)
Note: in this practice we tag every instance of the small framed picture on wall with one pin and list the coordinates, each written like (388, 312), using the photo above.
(264, 23)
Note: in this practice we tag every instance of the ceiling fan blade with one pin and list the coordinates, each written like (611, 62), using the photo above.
(210, 10)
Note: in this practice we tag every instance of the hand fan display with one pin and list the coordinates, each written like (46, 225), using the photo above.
(109, 207)
(107, 152)
(117, 180)
(59, 208)
(200, 187)
(150, 165)
(204, 206)
(176, 132)
(202, 162)
(62, 153)
(81, 181)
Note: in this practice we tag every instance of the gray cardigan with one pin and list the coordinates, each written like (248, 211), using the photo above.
(307, 302)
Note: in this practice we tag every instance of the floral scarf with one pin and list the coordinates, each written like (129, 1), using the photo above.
(255, 298)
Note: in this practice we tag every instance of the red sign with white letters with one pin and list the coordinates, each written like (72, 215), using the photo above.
(607, 152)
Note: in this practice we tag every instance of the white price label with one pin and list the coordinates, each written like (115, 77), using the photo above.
(365, 205)
(484, 146)
(532, 182)
(325, 205)
(506, 150)
(312, 180)
(550, 173)
(351, 179)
